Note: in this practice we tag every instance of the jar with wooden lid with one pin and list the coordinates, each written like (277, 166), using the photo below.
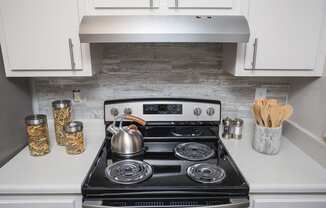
(62, 116)
(74, 137)
(38, 134)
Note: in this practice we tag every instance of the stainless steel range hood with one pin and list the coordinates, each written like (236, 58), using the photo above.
(122, 29)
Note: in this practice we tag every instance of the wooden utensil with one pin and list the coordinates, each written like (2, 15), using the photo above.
(256, 111)
(272, 102)
(264, 112)
(276, 115)
(287, 112)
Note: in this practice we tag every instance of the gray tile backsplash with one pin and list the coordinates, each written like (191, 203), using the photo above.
(155, 70)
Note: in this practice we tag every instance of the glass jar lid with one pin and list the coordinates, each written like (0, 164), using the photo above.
(61, 104)
(238, 122)
(74, 126)
(35, 119)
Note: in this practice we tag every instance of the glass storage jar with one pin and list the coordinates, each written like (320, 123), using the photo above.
(62, 116)
(74, 137)
(38, 134)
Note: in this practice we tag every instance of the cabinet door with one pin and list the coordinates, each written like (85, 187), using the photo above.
(40, 201)
(40, 35)
(201, 4)
(125, 4)
(285, 34)
(289, 203)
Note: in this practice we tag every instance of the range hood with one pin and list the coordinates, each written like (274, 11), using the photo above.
(163, 29)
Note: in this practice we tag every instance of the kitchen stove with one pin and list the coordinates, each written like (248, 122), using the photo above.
(184, 163)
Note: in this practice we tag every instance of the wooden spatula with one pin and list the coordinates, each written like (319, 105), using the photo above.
(256, 111)
(264, 112)
(276, 115)
(287, 112)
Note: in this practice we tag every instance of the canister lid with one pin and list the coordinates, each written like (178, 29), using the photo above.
(227, 121)
(61, 104)
(74, 126)
(238, 122)
(36, 119)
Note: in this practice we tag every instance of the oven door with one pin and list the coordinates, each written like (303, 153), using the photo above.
(169, 203)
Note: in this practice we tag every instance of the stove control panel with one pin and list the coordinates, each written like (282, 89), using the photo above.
(152, 109)
(165, 110)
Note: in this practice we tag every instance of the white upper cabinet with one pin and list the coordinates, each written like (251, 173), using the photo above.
(201, 4)
(125, 4)
(163, 7)
(288, 38)
(41, 38)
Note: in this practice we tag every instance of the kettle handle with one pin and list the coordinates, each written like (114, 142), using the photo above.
(136, 119)
(129, 117)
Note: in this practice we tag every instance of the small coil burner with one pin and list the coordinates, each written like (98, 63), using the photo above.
(186, 132)
(206, 173)
(193, 151)
(128, 172)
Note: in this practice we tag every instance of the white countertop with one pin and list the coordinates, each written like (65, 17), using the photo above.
(56, 172)
(291, 171)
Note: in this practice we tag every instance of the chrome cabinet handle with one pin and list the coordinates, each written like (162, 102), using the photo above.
(254, 56)
(71, 52)
(176, 3)
(151, 4)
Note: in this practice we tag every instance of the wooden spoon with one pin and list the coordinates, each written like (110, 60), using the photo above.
(256, 111)
(264, 112)
(272, 102)
(287, 112)
(276, 115)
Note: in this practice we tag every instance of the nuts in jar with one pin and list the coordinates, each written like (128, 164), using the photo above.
(38, 134)
(61, 115)
(74, 137)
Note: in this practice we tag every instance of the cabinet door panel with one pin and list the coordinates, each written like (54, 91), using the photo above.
(38, 204)
(289, 203)
(202, 4)
(127, 4)
(288, 33)
(36, 34)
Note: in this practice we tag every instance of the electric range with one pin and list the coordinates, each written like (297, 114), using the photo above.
(184, 163)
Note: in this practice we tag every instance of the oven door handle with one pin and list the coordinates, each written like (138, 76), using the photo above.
(235, 203)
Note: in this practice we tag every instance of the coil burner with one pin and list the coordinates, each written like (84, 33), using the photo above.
(128, 172)
(206, 173)
(193, 151)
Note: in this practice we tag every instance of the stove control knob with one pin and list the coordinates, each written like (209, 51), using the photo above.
(210, 111)
(114, 111)
(197, 111)
(127, 111)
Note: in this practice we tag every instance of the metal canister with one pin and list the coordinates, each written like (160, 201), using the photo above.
(38, 134)
(62, 116)
(74, 137)
(237, 128)
(227, 128)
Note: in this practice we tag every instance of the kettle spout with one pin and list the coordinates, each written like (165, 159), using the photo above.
(112, 129)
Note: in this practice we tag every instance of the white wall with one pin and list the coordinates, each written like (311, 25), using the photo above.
(15, 104)
(309, 100)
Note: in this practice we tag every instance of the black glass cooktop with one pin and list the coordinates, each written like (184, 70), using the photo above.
(169, 172)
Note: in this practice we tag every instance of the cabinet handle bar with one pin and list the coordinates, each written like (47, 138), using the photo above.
(71, 52)
(254, 56)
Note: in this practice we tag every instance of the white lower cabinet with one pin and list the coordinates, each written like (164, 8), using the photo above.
(287, 201)
(40, 201)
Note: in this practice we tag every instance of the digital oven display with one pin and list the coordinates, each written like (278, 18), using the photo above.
(162, 109)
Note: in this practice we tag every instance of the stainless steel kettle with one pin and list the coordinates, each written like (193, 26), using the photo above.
(126, 140)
